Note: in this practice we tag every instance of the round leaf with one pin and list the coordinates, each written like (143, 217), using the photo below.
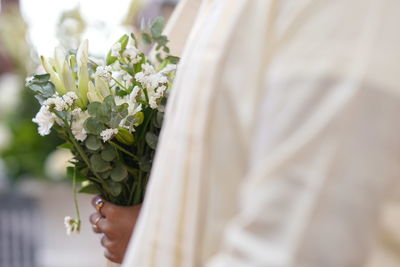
(93, 143)
(98, 164)
(119, 172)
(109, 153)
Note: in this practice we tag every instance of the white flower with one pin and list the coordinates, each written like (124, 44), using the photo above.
(71, 225)
(121, 100)
(45, 119)
(134, 108)
(70, 98)
(104, 72)
(132, 53)
(58, 103)
(108, 134)
(116, 49)
(153, 102)
(62, 103)
(76, 112)
(77, 127)
(134, 93)
(148, 69)
(140, 77)
(127, 78)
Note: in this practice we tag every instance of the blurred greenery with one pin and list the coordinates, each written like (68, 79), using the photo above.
(26, 152)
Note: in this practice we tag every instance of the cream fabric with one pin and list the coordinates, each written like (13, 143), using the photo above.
(281, 142)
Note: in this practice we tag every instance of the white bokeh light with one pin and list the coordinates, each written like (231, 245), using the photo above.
(103, 18)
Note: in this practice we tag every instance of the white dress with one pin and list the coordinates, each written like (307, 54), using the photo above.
(281, 143)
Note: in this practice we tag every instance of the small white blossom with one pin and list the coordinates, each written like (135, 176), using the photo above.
(71, 225)
(116, 49)
(77, 127)
(140, 77)
(108, 134)
(132, 53)
(148, 69)
(57, 102)
(70, 98)
(45, 119)
(153, 102)
(134, 94)
(76, 112)
(104, 72)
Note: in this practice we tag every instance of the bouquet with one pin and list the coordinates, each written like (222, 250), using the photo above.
(109, 114)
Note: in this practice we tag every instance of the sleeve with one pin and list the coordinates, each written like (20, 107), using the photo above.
(325, 153)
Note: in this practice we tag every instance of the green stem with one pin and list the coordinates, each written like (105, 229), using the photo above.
(123, 150)
(78, 215)
(120, 84)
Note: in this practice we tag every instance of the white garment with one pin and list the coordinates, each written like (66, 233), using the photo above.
(281, 140)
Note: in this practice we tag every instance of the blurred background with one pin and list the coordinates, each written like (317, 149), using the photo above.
(34, 193)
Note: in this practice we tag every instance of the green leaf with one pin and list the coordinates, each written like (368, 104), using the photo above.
(41, 78)
(93, 143)
(157, 27)
(65, 146)
(119, 114)
(119, 172)
(151, 140)
(89, 188)
(173, 59)
(146, 38)
(98, 164)
(124, 42)
(115, 188)
(158, 120)
(145, 165)
(161, 41)
(93, 126)
(109, 153)
(105, 175)
(94, 108)
(71, 172)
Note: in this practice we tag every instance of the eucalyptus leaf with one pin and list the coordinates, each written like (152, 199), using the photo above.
(114, 188)
(109, 153)
(98, 164)
(157, 27)
(105, 175)
(89, 189)
(145, 165)
(93, 143)
(94, 108)
(151, 140)
(119, 172)
(146, 38)
(94, 126)
(173, 59)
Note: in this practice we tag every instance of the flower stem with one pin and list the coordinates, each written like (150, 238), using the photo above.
(123, 150)
(78, 215)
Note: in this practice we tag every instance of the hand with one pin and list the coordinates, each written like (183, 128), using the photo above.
(116, 223)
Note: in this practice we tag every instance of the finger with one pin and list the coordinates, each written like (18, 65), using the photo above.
(95, 219)
(109, 210)
(111, 257)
